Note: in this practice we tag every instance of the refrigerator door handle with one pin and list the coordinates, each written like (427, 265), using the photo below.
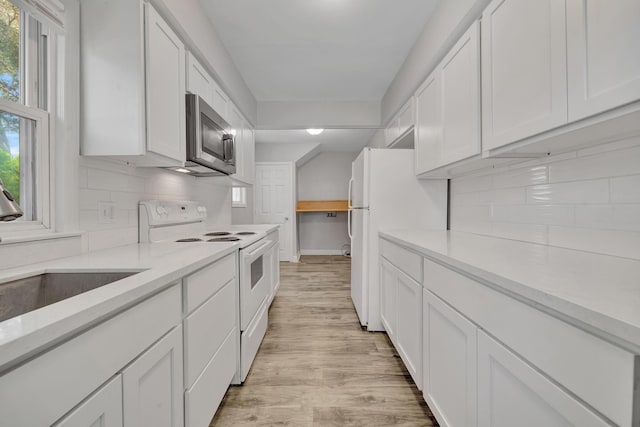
(350, 187)
(349, 224)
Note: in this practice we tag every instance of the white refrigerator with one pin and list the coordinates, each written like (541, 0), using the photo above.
(384, 194)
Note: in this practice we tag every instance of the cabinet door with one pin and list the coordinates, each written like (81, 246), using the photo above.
(409, 325)
(512, 393)
(524, 69)
(101, 409)
(428, 146)
(153, 387)
(220, 102)
(449, 364)
(165, 87)
(460, 79)
(388, 284)
(602, 51)
(250, 154)
(199, 82)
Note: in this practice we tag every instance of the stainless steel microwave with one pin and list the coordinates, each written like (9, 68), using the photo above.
(210, 141)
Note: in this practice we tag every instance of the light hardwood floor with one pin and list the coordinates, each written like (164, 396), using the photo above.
(317, 367)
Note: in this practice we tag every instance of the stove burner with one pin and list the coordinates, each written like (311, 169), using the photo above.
(224, 239)
(245, 233)
(190, 239)
(218, 233)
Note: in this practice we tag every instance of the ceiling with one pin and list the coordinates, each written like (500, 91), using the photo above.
(346, 140)
(307, 50)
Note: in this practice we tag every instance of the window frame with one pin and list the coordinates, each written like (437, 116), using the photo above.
(242, 203)
(38, 62)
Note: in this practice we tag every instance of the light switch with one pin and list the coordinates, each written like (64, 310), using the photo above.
(106, 212)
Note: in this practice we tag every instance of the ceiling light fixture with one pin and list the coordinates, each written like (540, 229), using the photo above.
(315, 132)
(182, 170)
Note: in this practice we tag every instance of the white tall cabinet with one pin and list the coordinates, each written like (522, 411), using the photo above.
(602, 53)
(524, 69)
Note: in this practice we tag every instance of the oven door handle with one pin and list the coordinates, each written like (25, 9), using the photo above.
(257, 252)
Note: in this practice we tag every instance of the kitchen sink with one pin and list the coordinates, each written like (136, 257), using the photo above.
(30, 293)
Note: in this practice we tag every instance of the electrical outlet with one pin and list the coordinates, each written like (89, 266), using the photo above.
(331, 214)
(106, 212)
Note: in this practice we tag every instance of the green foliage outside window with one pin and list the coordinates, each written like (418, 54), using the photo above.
(9, 90)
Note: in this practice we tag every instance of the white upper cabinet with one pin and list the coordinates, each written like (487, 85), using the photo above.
(244, 147)
(603, 55)
(165, 59)
(524, 69)
(220, 101)
(448, 104)
(401, 125)
(129, 108)
(460, 86)
(429, 125)
(199, 82)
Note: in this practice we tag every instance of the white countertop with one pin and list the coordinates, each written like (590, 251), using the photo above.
(161, 264)
(599, 292)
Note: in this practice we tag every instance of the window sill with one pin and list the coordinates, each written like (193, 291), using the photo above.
(12, 238)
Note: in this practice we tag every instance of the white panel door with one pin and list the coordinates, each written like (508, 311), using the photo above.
(603, 55)
(460, 81)
(165, 85)
(524, 69)
(428, 145)
(388, 291)
(409, 325)
(101, 409)
(449, 363)
(512, 393)
(199, 82)
(273, 192)
(152, 385)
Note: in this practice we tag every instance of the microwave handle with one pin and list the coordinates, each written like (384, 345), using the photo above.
(228, 149)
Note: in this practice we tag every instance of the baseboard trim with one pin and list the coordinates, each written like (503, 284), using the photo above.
(320, 252)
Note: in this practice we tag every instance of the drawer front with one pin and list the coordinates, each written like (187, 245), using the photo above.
(251, 339)
(206, 329)
(510, 391)
(405, 260)
(571, 356)
(199, 286)
(85, 362)
(203, 398)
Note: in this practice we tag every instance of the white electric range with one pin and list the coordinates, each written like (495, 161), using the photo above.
(258, 261)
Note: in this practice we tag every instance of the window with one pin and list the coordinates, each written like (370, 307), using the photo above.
(24, 121)
(239, 197)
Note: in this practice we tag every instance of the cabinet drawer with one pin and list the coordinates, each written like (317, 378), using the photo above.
(598, 372)
(407, 261)
(206, 328)
(85, 362)
(199, 286)
(202, 400)
(510, 391)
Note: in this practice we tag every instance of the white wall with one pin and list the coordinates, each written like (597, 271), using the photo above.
(377, 140)
(325, 177)
(126, 185)
(447, 24)
(587, 200)
(297, 153)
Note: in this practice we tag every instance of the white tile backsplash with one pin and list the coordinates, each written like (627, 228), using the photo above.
(125, 185)
(586, 200)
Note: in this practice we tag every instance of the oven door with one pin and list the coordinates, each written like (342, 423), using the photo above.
(255, 280)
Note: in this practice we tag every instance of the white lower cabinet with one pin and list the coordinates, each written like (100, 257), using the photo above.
(388, 298)
(152, 385)
(401, 313)
(449, 360)
(512, 393)
(408, 325)
(102, 409)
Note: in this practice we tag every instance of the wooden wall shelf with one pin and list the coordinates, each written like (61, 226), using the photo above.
(322, 206)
